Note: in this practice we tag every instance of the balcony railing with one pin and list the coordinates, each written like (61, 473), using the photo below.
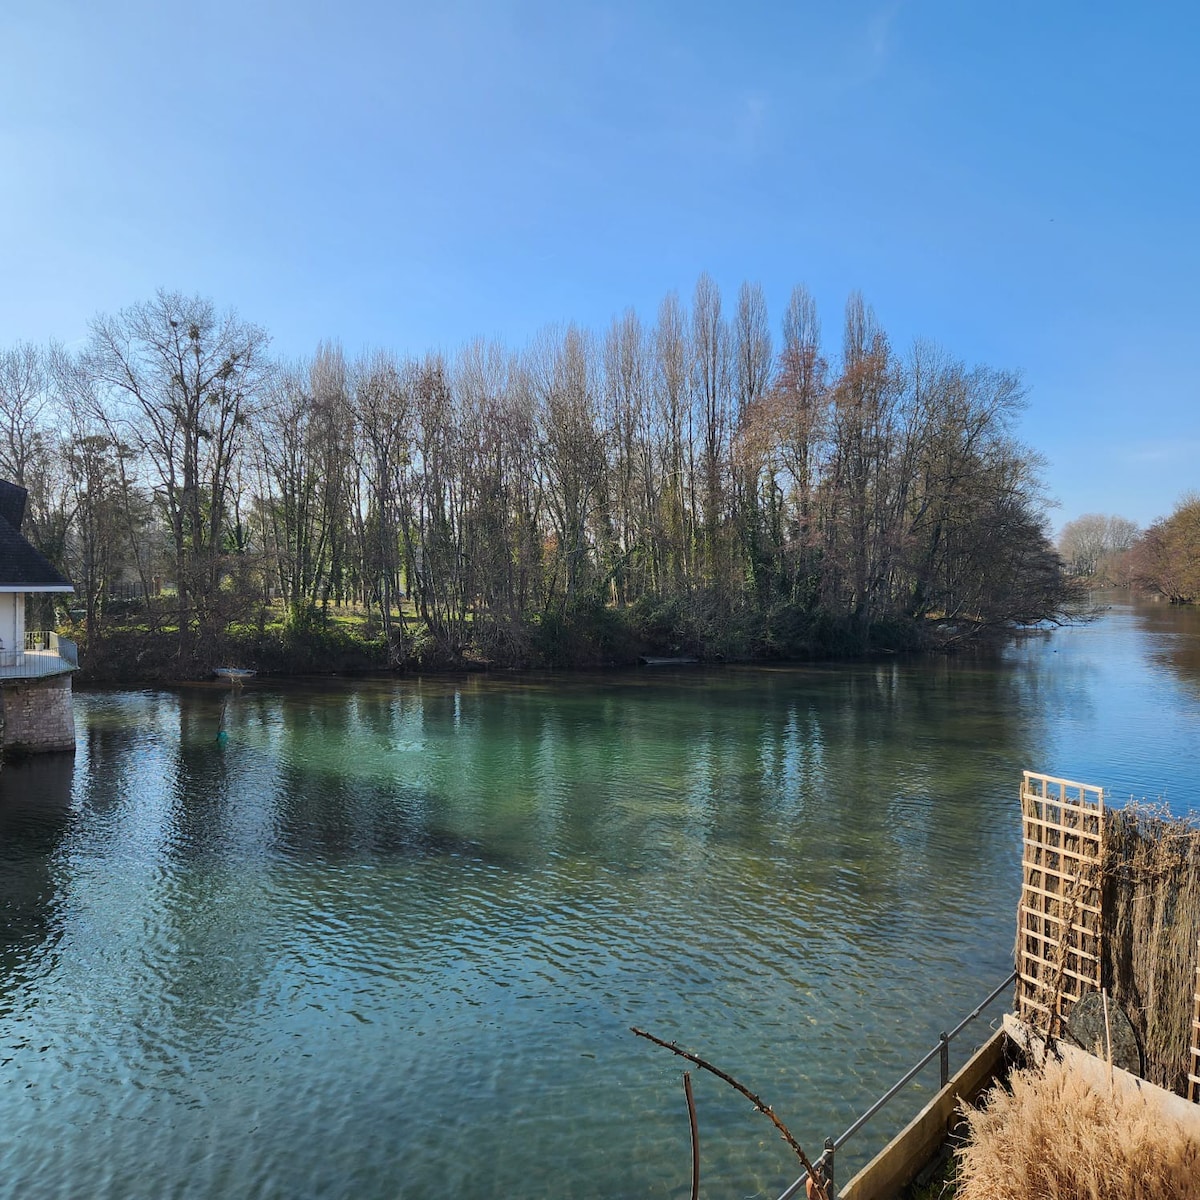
(45, 653)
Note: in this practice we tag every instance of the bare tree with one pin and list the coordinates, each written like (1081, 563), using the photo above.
(974, 547)
(677, 526)
(31, 444)
(571, 452)
(501, 540)
(183, 379)
(288, 488)
(627, 415)
(781, 438)
(382, 403)
(752, 379)
(24, 396)
(1089, 543)
(860, 500)
(713, 416)
(1166, 558)
(110, 522)
(505, 495)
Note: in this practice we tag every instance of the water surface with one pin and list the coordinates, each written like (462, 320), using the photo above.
(387, 938)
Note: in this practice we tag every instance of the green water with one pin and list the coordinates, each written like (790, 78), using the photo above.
(387, 938)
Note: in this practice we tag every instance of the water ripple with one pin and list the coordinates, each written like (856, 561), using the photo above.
(389, 938)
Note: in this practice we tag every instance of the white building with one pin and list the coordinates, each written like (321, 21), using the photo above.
(35, 665)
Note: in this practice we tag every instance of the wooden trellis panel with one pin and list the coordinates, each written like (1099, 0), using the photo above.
(1194, 1073)
(1058, 929)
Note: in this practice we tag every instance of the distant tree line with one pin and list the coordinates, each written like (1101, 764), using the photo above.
(1163, 559)
(696, 484)
(1096, 547)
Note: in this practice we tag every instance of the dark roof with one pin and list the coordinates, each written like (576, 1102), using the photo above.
(12, 503)
(20, 564)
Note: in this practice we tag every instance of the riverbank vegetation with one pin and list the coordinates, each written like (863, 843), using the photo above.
(1096, 547)
(692, 485)
(1164, 560)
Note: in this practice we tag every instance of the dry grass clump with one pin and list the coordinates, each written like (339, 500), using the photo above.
(1054, 1137)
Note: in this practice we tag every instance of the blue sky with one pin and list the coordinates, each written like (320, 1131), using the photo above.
(1018, 182)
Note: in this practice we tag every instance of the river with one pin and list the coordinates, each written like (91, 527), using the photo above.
(387, 938)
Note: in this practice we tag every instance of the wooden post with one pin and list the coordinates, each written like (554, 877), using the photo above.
(1194, 1073)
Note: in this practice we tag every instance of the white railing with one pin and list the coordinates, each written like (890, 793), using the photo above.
(45, 653)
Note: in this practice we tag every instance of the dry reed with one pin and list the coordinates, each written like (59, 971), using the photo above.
(1051, 1136)
(1151, 900)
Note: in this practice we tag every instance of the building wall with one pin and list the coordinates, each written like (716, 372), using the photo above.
(12, 624)
(38, 715)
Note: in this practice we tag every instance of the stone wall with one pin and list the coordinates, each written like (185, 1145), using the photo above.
(38, 715)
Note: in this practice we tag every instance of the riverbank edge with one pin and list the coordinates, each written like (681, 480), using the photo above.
(139, 658)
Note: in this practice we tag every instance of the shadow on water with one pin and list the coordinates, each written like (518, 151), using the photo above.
(35, 815)
(1176, 630)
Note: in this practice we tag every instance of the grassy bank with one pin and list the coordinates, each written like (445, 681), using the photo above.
(147, 648)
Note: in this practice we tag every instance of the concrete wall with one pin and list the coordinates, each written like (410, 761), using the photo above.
(38, 715)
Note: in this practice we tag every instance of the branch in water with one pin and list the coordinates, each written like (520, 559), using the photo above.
(757, 1101)
(691, 1103)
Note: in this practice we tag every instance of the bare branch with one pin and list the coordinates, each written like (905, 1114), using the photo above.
(757, 1101)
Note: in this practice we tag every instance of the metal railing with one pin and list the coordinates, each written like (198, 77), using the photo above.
(45, 653)
(941, 1051)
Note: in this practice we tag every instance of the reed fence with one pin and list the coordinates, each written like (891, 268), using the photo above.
(1110, 901)
(1194, 1073)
